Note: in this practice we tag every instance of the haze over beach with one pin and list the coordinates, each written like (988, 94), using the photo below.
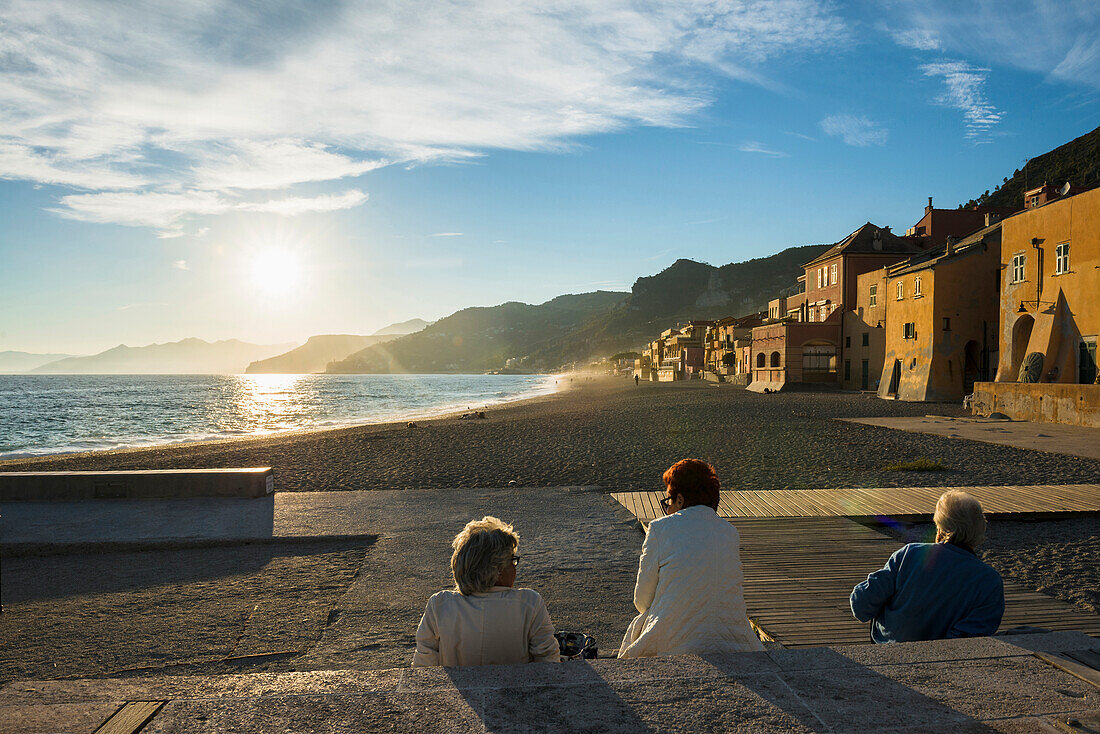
(293, 293)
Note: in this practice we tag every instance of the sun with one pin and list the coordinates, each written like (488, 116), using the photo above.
(275, 272)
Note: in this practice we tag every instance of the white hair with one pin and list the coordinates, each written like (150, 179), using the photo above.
(481, 551)
(959, 518)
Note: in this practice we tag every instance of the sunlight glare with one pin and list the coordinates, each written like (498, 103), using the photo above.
(274, 272)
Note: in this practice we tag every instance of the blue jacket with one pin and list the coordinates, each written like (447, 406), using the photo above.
(930, 591)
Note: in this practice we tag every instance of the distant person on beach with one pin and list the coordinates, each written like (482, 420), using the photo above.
(690, 590)
(635, 379)
(934, 591)
(485, 621)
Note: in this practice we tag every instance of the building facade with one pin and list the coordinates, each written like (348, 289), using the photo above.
(941, 327)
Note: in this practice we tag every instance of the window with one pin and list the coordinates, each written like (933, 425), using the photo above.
(820, 277)
(775, 359)
(946, 323)
(901, 290)
(812, 312)
(874, 296)
(847, 369)
(916, 287)
(866, 339)
(910, 330)
(824, 312)
(847, 342)
(1061, 258)
(761, 360)
(1018, 267)
(832, 273)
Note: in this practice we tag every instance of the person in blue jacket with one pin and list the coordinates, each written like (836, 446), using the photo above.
(935, 591)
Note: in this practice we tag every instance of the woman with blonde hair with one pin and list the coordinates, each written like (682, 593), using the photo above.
(934, 591)
(484, 621)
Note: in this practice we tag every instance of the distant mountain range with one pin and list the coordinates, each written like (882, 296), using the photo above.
(25, 361)
(318, 351)
(1078, 162)
(189, 356)
(482, 339)
(533, 338)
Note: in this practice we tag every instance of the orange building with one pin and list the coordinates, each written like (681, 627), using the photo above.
(941, 323)
(1049, 314)
(865, 333)
(1050, 297)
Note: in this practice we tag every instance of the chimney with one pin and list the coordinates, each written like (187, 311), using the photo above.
(929, 207)
(876, 243)
(950, 244)
(992, 218)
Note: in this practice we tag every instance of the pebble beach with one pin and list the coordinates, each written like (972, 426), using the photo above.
(603, 434)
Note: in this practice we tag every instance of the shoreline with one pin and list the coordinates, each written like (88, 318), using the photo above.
(426, 417)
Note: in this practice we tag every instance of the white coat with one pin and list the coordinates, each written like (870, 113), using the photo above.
(690, 591)
(501, 626)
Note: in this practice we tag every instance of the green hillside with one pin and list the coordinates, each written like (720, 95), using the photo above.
(1078, 162)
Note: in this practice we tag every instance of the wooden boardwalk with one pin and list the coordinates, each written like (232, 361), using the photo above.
(802, 554)
(899, 503)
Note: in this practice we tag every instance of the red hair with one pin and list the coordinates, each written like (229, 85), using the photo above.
(695, 480)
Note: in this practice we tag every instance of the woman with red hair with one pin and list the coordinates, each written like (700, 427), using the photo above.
(690, 590)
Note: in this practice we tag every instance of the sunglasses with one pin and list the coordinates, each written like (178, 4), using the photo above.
(515, 560)
(666, 504)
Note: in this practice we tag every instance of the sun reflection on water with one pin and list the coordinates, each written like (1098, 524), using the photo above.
(270, 402)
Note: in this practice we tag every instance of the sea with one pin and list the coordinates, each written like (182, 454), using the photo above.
(57, 414)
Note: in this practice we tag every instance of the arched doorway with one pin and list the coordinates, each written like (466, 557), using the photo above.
(775, 359)
(1021, 335)
(972, 366)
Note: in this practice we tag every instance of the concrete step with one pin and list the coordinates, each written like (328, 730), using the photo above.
(1017, 684)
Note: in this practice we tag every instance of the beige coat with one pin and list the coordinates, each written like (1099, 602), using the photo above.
(501, 626)
(690, 591)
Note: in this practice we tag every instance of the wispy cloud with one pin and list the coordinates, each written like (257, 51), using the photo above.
(802, 136)
(855, 130)
(165, 211)
(446, 234)
(214, 101)
(180, 265)
(751, 146)
(964, 91)
(1056, 38)
(919, 39)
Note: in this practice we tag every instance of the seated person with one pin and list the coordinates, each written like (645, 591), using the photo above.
(485, 621)
(690, 589)
(933, 591)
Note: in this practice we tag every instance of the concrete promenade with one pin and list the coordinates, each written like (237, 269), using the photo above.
(1047, 437)
(1030, 683)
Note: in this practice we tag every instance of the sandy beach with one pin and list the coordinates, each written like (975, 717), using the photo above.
(358, 606)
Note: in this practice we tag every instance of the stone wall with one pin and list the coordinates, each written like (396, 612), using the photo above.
(1077, 405)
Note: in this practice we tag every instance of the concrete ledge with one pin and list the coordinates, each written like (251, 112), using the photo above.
(1045, 402)
(977, 685)
(148, 484)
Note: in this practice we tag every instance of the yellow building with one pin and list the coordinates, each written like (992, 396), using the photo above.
(1049, 314)
(1050, 298)
(865, 333)
(941, 311)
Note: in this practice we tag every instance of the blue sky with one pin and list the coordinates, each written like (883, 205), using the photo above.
(268, 171)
